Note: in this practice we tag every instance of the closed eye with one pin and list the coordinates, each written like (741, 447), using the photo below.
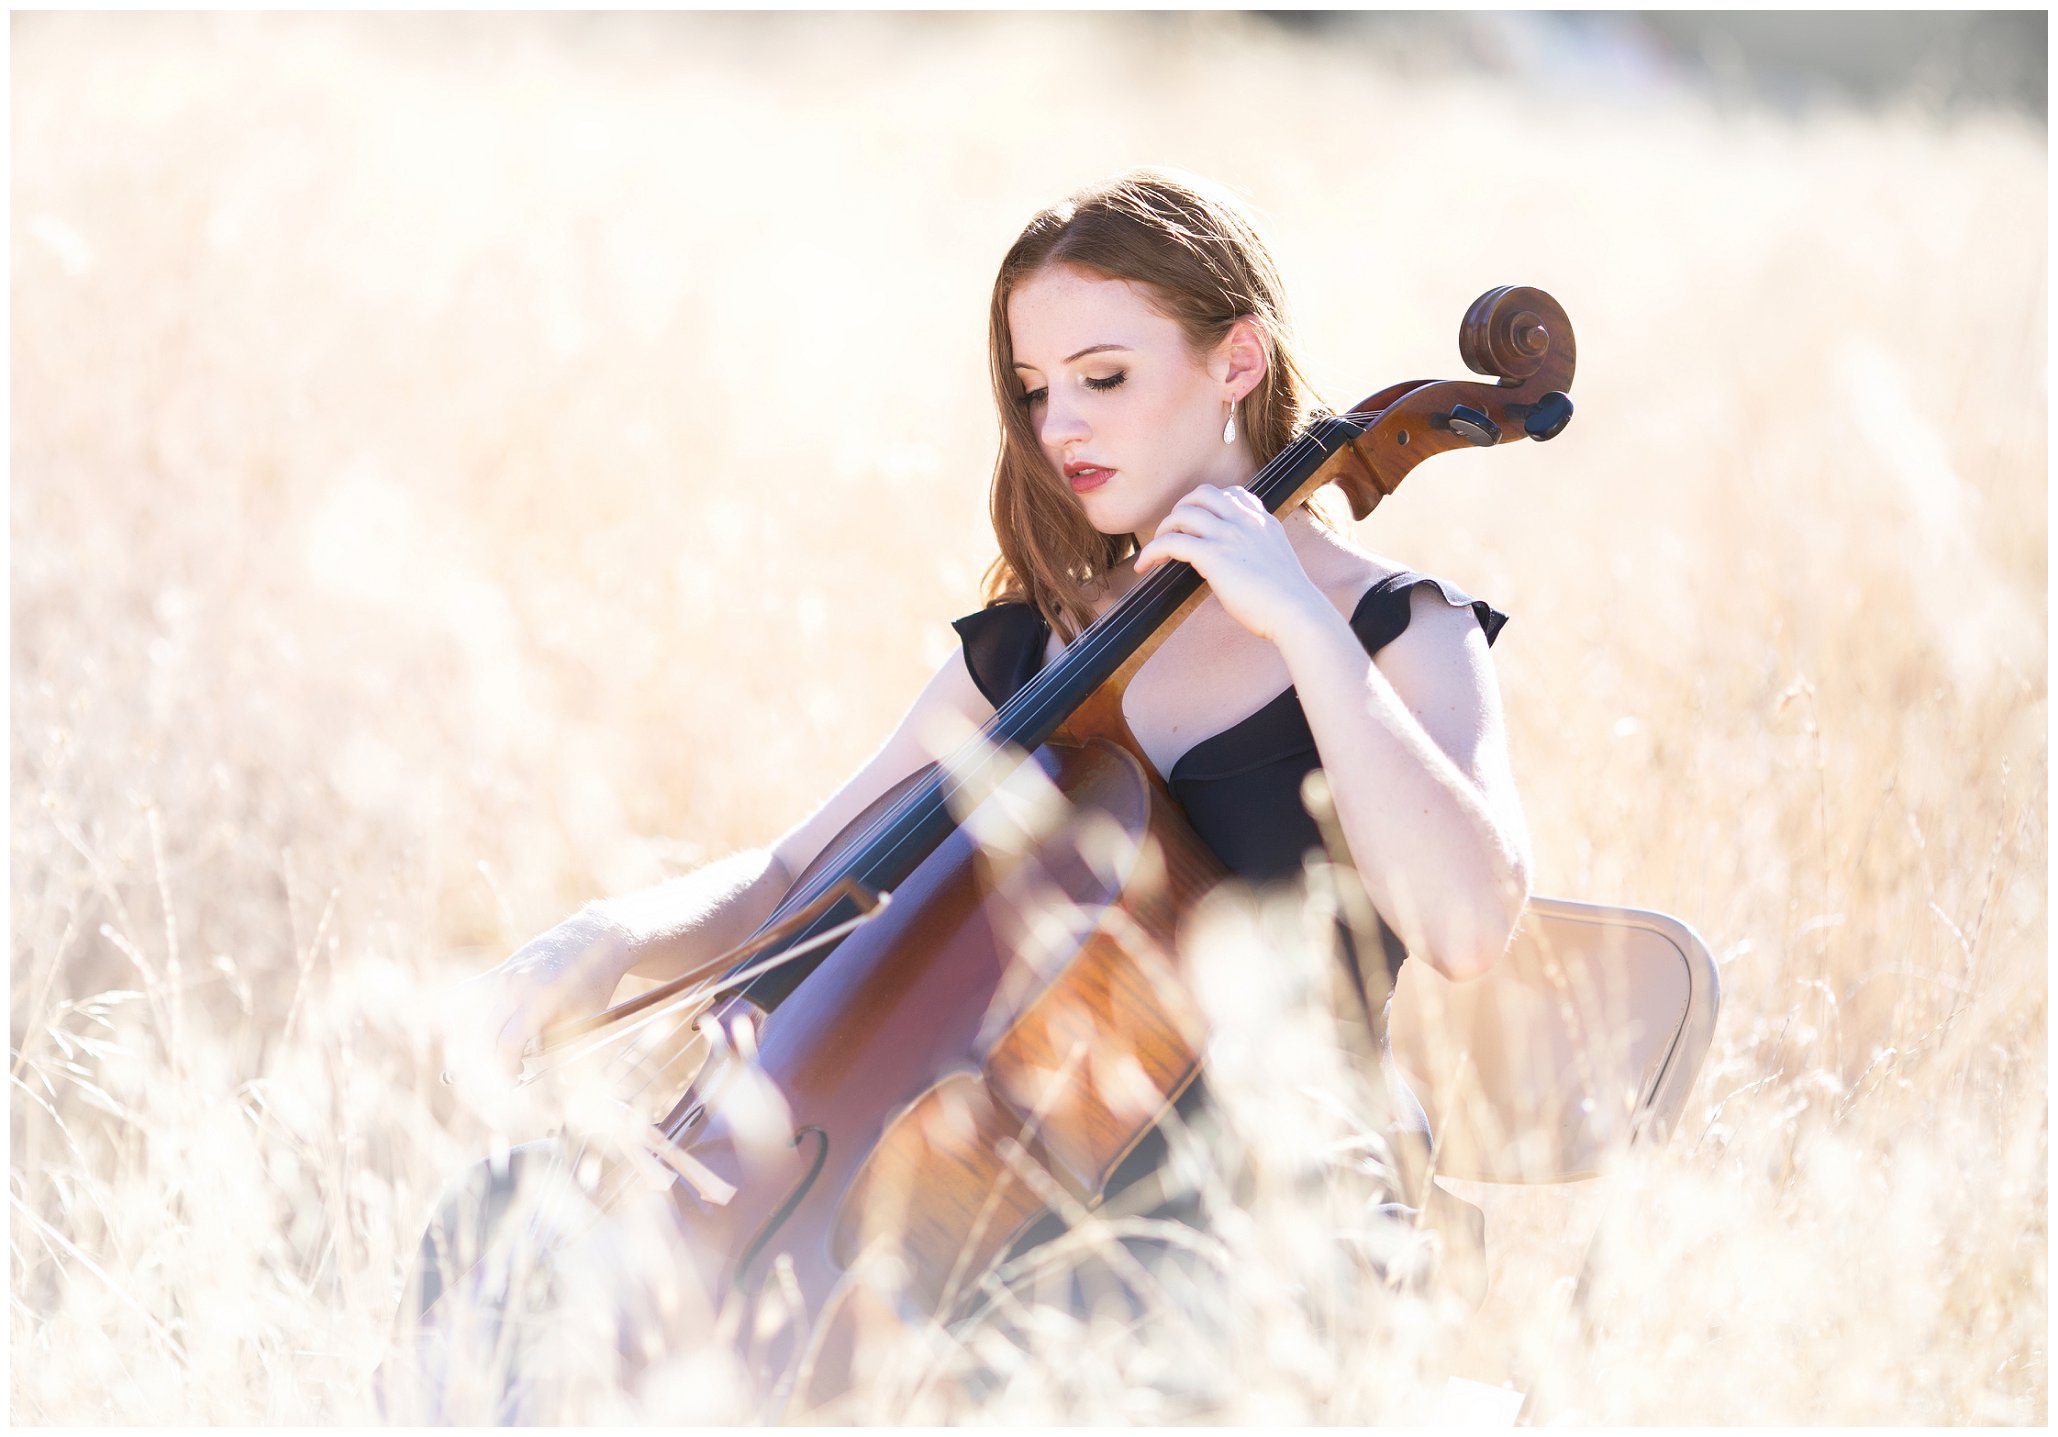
(1100, 385)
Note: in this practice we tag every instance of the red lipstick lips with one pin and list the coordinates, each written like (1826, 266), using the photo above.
(1084, 477)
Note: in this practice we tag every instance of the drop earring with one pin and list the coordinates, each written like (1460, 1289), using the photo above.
(1229, 429)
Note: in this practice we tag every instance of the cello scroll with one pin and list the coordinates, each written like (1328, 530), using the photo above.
(1516, 334)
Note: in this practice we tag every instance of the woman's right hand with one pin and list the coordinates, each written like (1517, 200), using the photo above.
(569, 971)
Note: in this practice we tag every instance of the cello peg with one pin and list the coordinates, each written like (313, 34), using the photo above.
(1545, 418)
(1472, 426)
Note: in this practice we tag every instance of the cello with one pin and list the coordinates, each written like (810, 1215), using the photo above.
(970, 1006)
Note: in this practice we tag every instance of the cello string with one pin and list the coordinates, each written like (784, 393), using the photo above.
(1119, 622)
(967, 765)
(1113, 628)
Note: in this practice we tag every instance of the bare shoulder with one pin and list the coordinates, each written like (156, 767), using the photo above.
(1435, 624)
(1344, 571)
(1441, 652)
(1440, 668)
(1440, 660)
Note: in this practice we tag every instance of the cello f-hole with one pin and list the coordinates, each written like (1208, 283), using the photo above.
(793, 1199)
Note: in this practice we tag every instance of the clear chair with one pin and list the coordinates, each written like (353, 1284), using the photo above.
(1582, 1042)
(1586, 1037)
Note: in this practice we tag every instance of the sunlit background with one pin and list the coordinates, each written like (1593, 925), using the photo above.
(464, 465)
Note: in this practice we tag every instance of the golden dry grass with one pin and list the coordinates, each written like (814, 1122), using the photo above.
(438, 451)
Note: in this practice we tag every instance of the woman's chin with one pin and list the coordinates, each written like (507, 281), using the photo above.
(1110, 517)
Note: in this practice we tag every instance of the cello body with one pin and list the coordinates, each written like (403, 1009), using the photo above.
(951, 1065)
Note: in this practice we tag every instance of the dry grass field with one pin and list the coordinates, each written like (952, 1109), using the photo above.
(463, 466)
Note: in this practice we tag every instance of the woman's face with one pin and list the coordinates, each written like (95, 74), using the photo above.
(1122, 406)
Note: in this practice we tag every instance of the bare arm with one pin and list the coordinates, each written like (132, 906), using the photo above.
(1417, 758)
(688, 924)
(1412, 744)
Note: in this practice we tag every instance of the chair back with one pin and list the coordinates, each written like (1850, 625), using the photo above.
(1586, 1036)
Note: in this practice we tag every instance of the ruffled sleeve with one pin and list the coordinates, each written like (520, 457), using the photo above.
(1382, 615)
(1004, 648)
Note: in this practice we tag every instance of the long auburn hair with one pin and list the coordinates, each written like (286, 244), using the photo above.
(1200, 258)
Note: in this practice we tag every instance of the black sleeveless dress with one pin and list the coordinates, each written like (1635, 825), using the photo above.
(1240, 788)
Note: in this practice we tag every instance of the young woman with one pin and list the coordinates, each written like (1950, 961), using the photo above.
(1144, 372)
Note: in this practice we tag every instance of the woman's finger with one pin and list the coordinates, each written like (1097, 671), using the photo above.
(1216, 503)
(1246, 508)
(1201, 523)
(1169, 547)
(1210, 500)
(1236, 506)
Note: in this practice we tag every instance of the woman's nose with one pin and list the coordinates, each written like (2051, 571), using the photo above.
(1062, 423)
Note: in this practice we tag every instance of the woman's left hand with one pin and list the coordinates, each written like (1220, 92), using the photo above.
(1244, 554)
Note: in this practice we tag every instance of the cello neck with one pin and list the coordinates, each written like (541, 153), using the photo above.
(889, 850)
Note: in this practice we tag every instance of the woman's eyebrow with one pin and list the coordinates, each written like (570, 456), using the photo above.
(1090, 349)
